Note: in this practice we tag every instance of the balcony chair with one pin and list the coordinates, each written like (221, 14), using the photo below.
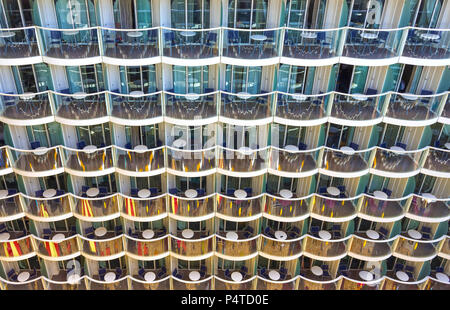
(322, 190)
(263, 273)
(243, 271)
(46, 233)
(153, 191)
(118, 272)
(302, 146)
(103, 189)
(162, 272)
(118, 230)
(342, 270)
(248, 190)
(11, 191)
(387, 192)
(269, 232)
(134, 192)
(398, 267)
(81, 145)
(173, 191)
(426, 232)
(336, 230)
(169, 37)
(230, 192)
(12, 275)
(341, 188)
(201, 192)
(249, 229)
(384, 232)
(227, 273)
(60, 192)
(141, 272)
(322, 41)
(354, 146)
(89, 232)
(282, 276)
(39, 193)
(73, 230)
(84, 188)
(409, 270)
(56, 39)
(128, 146)
(33, 273)
(439, 269)
(3, 228)
(101, 273)
(247, 234)
(315, 231)
(425, 100)
(35, 144)
(402, 145)
(283, 271)
(210, 42)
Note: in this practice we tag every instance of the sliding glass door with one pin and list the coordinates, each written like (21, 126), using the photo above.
(305, 14)
(247, 14)
(129, 14)
(190, 79)
(138, 78)
(189, 14)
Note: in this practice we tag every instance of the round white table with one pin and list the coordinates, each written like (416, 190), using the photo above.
(71, 32)
(243, 95)
(274, 275)
(442, 277)
(333, 191)
(58, 237)
(187, 233)
(447, 145)
(187, 33)
(191, 193)
(372, 234)
(369, 35)
(239, 193)
(429, 36)
(401, 275)
(236, 276)
(325, 235)
(359, 97)
(429, 197)
(232, 235)
(7, 34)
(292, 148)
(140, 148)
(380, 194)
(110, 276)
(309, 34)
(281, 235)
(414, 234)
(49, 193)
(73, 278)
(40, 151)
(245, 150)
(136, 93)
(4, 236)
(179, 143)
(79, 95)
(192, 96)
(316, 270)
(149, 276)
(3, 193)
(398, 149)
(285, 193)
(347, 150)
(148, 234)
(144, 193)
(27, 96)
(409, 96)
(101, 231)
(23, 276)
(89, 149)
(258, 37)
(134, 34)
(365, 275)
(92, 192)
(194, 275)
(299, 97)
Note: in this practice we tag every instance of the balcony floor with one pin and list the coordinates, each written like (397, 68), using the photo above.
(141, 161)
(29, 109)
(191, 51)
(71, 51)
(85, 109)
(366, 51)
(295, 162)
(31, 162)
(354, 111)
(344, 163)
(19, 50)
(252, 51)
(299, 111)
(91, 162)
(136, 110)
(132, 51)
(307, 52)
(394, 163)
(428, 52)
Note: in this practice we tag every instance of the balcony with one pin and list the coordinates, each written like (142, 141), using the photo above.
(10, 207)
(32, 284)
(380, 210)
(428, 210)
(266, 284)
(48, 209)
(310, 285)
(286, 210)
(326, 250)
(356, 109)
(143, 248)
(80, 108)
(366, 45)
(190, 45)
(354, 281)
(97, 209)
(5, 164)
(119, 284)
(396, 163)
(161, 284)
(437, 163)
(243, 162)
(185, 208)
(136, 110)
(183, 108)
(435, 285)
(238, 209)
(429, 44)
(200, 246)
(222, 282)
(345, 162)
(242, 108)
(61, 281)
(90, 161)
(291, 162)
(131, 46)
(15, 246)
(333, 209)
(191, 163)
(19, 46)
(152, 207)
(397, 286)
(363, 248)
(244, 247)
(38, 162)
(250, 46)
(179, 284)
(411, 250)
(316, 276)
(108, 246)
(79, 45)
(301, 110)
(279, 249)
(412, 110)
(58, 249)
(26, 109)
(139, 162)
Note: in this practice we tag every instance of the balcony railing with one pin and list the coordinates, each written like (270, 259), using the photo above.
(424, 43)
(285, 160)
(130, 43)
(45, 161)
(396, 162)
(266, 284)
(324, 249)
(96, 207)
(139, 161)
(357, 107)
(411, 107)
(192, 207)
(244, 246)
(244, 160)
(102, 247)
(47, 208)
(90, 159)
(18, 43)
(382, 209)
(143, 207)
(26, 107)
(80, 106)
(333, 209)
(294, 108)
(345, 160)
(5, 162)
(53, 249)
(363, 246)
(281, 248)
(411, 249)
(142, 247)
(192, 247)
(191, 106)
(313, 285)
(438, 160)
(204, 284)
(222, 284)
(239, 207)
(372, 43)
(243, 106)
(136, 107)
(16, 246)
(428, 210)
(288, 209)
(191, 161)
(10, 206)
